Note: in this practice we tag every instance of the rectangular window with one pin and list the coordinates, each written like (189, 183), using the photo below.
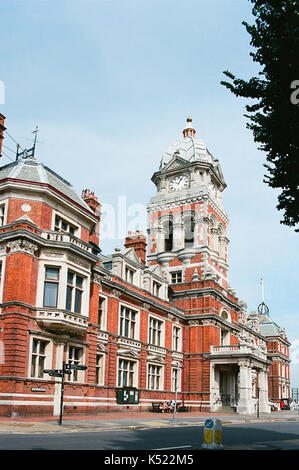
(62, 225)
(74, 292)
(126, 373)
(156, 288)
(154, 377)
(38, 357)
(2, 212)
(100, 369)
(129, 275)
(128, 319)
(51, 287)
(176, 277)
(102, 313)
(176, 338)
(155, 331)
(75, 356)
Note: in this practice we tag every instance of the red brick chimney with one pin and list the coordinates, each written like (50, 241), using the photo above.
(2, 129)
(90, 199)
(137, 241)
(93, 203)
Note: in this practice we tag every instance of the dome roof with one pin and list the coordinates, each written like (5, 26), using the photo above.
(189, 148)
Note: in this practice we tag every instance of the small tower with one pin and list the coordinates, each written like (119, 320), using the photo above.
(189, 130)
(187, 221)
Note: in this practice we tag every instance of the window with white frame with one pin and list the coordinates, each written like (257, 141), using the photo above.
(2, 213)
(154, 377)
(224, 337)
(51, 284)
(129, 274)
(175, 379)
(128, 322)
(62, 225)
(100, 369)
(156, 288)
(177, 338)
(74, 292)
(126, 373)
(38, 357)
(176, 277)
(75, 357)
(102, 312)
(155, 331)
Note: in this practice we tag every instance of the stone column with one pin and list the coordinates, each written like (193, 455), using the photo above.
(178, 236)
(245, 390)
(263, 394)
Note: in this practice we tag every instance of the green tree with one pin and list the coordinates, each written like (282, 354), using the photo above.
(274, 117)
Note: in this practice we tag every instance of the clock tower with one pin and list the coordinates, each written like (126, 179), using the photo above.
(187, 221)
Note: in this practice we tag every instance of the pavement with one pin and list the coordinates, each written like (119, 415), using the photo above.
(115, 421)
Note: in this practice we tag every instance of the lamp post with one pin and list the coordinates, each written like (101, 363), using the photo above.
(176, 389)
(258, 402)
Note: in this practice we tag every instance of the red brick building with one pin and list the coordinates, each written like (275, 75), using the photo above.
(157, 317)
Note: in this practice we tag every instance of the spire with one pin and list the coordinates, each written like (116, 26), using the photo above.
(189, 130)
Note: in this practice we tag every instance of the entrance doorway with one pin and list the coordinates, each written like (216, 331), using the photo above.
(225, 388)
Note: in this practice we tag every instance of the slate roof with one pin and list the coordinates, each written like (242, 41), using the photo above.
(268, 327)
(31, 169)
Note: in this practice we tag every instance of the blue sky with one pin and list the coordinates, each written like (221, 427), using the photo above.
(110, 84)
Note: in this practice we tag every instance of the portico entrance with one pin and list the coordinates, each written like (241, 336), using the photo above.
(225, 388)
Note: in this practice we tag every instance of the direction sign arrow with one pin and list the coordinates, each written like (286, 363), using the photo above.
(75, 367)
(55, 374)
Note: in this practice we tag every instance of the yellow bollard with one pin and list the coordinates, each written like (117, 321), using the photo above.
(212, 434)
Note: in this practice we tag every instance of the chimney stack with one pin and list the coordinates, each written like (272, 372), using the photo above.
(91, 200)
(94, 205)
(2, 129)
(137, 241)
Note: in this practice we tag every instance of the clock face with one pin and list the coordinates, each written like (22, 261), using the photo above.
(179, 182)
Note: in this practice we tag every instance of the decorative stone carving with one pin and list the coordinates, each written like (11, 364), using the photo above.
(22, 246)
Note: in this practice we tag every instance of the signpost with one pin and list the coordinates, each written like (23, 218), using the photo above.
(66, 369)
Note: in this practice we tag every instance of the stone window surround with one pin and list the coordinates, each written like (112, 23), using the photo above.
(63, 267)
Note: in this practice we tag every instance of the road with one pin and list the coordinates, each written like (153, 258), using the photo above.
(262, 436)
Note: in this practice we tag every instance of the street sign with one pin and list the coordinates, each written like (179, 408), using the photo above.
(66, 369)
(56, 372)
(75, 367)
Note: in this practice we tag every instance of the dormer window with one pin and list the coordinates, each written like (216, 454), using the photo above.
(62, 225)
(129, 274)
(156, 288)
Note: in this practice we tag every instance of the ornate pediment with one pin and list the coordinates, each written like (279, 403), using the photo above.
(156, 269)
(175, 163)
(128, 353)
(156, 359)
(131, 255)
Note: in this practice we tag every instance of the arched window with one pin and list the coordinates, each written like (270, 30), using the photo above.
(189, 226)
(168, 238)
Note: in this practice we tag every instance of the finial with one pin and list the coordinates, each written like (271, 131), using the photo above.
(189, 130)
